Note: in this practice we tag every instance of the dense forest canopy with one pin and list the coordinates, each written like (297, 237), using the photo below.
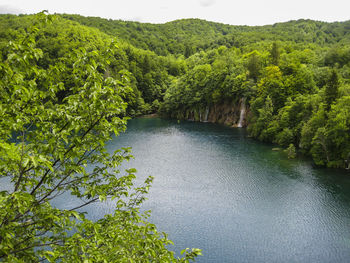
(294, 79)
(295, 76)
(187, 36)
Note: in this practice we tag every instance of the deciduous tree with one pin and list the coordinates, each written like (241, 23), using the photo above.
(51, 146)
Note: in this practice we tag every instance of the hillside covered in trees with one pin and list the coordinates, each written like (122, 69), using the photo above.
(188, 36)
(294, 77)
(68, 83)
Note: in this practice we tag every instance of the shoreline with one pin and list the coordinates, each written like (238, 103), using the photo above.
(149, 116)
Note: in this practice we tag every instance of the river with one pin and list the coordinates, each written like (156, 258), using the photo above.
(234, 197)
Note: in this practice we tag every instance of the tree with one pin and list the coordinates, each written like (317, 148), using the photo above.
(332, 87)
(46, 144)
(189, 50)
(275, 54)
(254, 65)
(338, 132)
(271, 84)
(264, 116)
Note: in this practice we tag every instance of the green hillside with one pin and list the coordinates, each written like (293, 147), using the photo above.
(68, 83)
(187, 36)
(294, 76)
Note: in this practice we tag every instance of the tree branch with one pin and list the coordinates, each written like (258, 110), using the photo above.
(69, 149)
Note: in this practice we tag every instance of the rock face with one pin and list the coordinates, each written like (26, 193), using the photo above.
(231, 114)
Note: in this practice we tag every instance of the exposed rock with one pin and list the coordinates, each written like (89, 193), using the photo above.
(228, 113)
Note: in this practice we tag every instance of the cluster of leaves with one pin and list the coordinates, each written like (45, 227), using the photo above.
(151, 74)
(55, 119)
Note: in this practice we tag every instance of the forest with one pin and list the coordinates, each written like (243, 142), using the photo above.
(294, 76)
(87, 75)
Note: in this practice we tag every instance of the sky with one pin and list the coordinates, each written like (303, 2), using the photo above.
(234, 12)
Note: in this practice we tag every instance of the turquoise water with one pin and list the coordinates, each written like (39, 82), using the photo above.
(234, 197)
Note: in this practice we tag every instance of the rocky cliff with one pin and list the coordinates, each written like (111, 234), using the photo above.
(228, 113)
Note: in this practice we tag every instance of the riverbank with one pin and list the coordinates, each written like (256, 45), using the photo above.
(149, 116)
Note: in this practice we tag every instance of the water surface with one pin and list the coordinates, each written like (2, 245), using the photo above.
(234, 197)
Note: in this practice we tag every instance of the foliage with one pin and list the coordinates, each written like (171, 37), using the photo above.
(188, 36)
(292, 75)
(53, 136)
(150, 76)
(291, 152)
(67, 86)
(275, 54)
(331, 91)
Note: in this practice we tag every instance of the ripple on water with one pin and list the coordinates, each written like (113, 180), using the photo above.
(235, 198)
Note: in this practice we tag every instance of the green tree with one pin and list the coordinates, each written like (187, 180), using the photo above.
(254, 65)
(338, 132)
(332, 89)
(264, 116)
(275, 54)
(46, 145)
(309, 129)
(271, 84)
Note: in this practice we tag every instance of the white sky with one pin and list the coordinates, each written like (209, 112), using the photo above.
(234, 12)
